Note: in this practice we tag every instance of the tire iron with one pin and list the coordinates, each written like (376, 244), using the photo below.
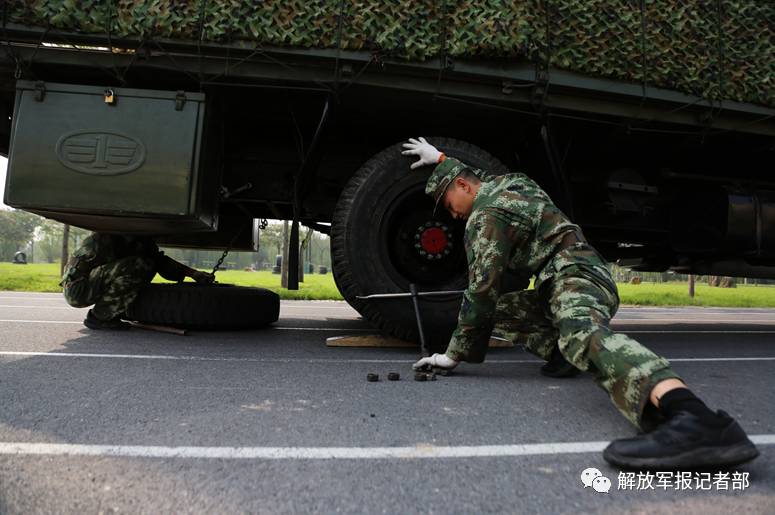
(159, 328)
(414, 294)
(423, 346)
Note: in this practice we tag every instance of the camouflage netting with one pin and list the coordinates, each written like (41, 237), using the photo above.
(716, 49)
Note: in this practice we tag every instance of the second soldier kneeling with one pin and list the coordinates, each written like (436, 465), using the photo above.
(108, 271)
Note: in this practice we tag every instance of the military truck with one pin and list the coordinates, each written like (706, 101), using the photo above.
(650, 122)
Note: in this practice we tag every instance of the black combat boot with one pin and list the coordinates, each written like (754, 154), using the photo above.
(558, 366)
(92, 321)
(691, 437)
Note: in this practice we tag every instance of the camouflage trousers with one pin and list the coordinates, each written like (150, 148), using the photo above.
(111, 287)
(572, 311)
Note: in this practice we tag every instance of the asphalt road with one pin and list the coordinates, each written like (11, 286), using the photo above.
(273, 421)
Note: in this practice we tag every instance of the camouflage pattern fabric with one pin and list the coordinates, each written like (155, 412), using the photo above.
(718, 50)
(521, 318)
(515, 227)
(442, 177)
(573, 310)
(108, 270)
(111, 287)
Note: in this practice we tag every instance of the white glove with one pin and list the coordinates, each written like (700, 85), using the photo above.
(437, 360)
(202, 277)
(427, 153)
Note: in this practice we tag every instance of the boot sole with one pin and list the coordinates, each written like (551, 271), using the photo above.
(100, 327)
(702, 457)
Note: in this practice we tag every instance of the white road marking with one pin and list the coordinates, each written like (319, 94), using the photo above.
(770, 319)
(207, 358)
(316, 453)
(41, 321)
(32, 306)
(700, 360)
(291, 306)
(313, 360)
(32, 295)
(36, 307)
(58, 300)
(351, 329)
(321, 329)
(690, 331)
(340, 329)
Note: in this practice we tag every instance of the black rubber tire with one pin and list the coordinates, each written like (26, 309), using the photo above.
(361, 254)
(205, 306)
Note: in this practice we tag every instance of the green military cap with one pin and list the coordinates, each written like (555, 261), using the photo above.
(441, 178)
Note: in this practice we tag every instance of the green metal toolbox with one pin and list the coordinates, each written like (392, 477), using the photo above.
(111, 159)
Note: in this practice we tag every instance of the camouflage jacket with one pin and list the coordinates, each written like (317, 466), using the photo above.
(101, 248)
(514, 226)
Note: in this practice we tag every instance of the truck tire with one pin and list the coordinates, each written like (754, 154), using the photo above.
(205, 306)
(384, 237)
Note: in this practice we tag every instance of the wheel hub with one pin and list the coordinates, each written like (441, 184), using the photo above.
(433, 240)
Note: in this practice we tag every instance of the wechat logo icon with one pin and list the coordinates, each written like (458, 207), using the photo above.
(594, 478)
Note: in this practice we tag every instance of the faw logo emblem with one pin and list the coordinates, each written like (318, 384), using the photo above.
(100, 152)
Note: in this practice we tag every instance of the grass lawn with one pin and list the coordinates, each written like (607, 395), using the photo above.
(40, 278)
(314, 287)
(677, 294)
(45, 278)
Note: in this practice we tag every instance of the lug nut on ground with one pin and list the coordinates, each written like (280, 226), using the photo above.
(393, 376)
(372, 378)
(424, 376)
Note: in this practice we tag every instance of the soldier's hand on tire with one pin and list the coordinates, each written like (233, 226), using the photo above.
(438, 361)
(202, 277)
(427, 153)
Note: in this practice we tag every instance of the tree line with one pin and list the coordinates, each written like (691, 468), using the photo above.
(41, 241)
(317, 252)
(39, 238)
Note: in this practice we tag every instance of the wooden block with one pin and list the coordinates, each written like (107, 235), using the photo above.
(382, 341)
(368, 340)
(497, 342)
(160, 328)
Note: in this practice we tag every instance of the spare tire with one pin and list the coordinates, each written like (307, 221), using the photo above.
(384, 236)
(205, 306)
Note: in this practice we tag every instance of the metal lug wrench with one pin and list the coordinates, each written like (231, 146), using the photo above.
(414, 294)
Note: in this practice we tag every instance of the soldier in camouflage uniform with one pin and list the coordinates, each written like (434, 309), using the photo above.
(108, 270)
(513, 225)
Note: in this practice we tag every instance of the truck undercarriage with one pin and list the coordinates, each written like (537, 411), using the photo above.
(657, 179)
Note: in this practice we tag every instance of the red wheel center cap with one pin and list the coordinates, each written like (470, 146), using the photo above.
(433, 240)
